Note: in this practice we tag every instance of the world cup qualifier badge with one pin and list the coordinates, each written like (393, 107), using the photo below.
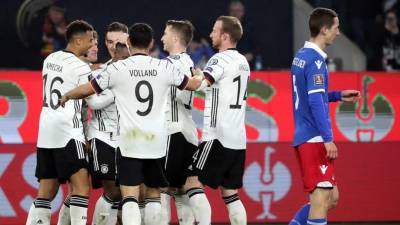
(318, 79)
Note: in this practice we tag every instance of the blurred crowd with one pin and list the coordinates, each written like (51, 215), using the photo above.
(373, 26)
(200, 50)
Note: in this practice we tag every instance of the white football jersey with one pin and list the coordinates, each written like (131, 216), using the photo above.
(225, 104)
(62, 72)
(104, 121)
(180, 103)
(140, 85)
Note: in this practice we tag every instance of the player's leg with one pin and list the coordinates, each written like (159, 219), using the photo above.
(72, 166)
(130, 207)
(46, 173)
(165, 197)
(154, 179)
(179, 157)
(129, 176)
(334, 198)
(152, 210)
(142, 201)
(103, 175)
(234, 161)
(64, 217)
(185, 213)
(318, 179)
(204, 170)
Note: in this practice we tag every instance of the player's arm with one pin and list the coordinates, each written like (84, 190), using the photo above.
(194, 82)
(100, 101)
(82, 91)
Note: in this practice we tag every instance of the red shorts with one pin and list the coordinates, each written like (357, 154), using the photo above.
(316, 169)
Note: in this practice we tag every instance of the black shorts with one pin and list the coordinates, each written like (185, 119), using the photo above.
(178, 159)
(102, 162)
(61, 163)
(217, 166)
(134, 171)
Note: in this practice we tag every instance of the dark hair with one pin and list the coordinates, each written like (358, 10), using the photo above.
(319, 18)
(77, 27)
(140, 35)
(117, 27)
(120, 45)
(232, 26)
(185, 29)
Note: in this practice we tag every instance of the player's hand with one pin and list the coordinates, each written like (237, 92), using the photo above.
(197, 73)
(331, 150)
(63, 100)
(350, 95)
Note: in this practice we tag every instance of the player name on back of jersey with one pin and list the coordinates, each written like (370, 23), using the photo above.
(299, 62)
(54, 67)
(143, 73)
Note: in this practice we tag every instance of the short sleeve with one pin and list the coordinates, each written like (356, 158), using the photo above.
(315, 75)
(215, 68)
(105, 79)
(175, 75)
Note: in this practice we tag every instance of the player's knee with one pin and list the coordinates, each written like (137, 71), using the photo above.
(192, 182)
(111, 191)
(320, 198)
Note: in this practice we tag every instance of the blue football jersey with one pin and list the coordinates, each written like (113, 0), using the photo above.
(309, 75)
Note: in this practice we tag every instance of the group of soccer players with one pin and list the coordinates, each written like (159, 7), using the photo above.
(141, 139)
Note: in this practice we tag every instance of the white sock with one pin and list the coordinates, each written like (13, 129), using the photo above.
(142, 205)
(130, 211)
(237, 212)
(152, 211)
(185, 213)
(165, 208)
(200, 206)
(78, 209)
(64, 217)
(113, 218)
(102, 210)
(39, 212)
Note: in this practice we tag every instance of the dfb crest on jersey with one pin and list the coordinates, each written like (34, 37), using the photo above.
(104, 168)
(212, 62)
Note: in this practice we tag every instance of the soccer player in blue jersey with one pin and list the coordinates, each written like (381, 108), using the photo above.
(313, 138)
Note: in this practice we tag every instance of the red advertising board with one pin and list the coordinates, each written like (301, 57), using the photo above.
(368, 136)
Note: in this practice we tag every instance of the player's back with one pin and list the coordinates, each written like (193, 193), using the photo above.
(62, 71)
(140, 85)
(309, 75)
(180, 103)
(224, 115)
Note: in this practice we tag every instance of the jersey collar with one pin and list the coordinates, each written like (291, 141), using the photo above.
(234, 49)
(139, 54)
(309, 44)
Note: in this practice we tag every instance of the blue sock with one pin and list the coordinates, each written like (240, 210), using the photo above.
(301, 216)
(316, 222)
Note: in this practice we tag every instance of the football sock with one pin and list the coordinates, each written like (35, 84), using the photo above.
(237, 212)
(200, 206)
(78, 209)
(130, 211)
(316, 222)
(152, 214)
(165, 208)
(301, 216)
(64, 217)
(102, 210)
(39, 212)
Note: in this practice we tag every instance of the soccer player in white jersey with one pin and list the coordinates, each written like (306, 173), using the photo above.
(221, 157)
(60, 148)
(103, 133)
(140, 85)
(182, 139)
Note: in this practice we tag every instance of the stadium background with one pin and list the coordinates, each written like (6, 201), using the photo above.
(367, 133)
